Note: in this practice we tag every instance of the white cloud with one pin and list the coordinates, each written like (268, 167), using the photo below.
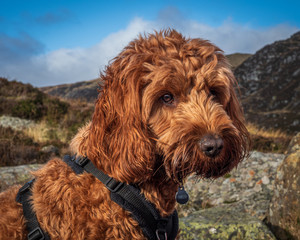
(233, 37)
(78, 64)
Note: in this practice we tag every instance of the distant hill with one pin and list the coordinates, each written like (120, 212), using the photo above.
(270, 85)
(86, 90)
(237, 59)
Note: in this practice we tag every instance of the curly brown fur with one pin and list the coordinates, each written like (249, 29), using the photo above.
(167, 101)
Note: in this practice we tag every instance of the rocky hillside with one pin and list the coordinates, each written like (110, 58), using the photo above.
(270, 85)
(86, 90)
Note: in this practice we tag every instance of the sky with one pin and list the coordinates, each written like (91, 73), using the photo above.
(52, 42)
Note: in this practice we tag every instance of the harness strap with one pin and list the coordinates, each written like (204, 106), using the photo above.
(32, 224)
(129, 197)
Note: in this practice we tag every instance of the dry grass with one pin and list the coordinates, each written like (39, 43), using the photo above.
(267, 133)
(63, 130)
(268, 140)
(42, 132)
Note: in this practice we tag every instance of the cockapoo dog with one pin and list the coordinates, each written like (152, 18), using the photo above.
(168, 109)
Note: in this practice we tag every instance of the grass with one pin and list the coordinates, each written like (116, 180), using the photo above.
(266, 133)
(268, 140)
(16, 148)
(79, 112)
(42, 132)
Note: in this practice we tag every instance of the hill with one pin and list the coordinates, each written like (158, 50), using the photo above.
(270, 85)
(237, 59)
(86, 90)
(25, 101)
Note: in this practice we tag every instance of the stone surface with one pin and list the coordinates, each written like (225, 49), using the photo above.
(223, 223)
(15, 122)
(248, 188)
(50, 149)
(16, 175)
(284, 212)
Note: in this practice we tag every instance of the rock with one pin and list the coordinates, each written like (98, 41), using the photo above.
(16, 175)
(15, 122)
(294, 145)
(222, 223)
(50, 149)
(248, 188)
(284, 212)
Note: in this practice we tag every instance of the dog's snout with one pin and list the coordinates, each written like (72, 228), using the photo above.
(211, 145)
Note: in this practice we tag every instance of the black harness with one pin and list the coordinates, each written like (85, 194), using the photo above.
(128, 196)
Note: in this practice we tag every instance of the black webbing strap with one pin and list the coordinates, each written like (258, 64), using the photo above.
(34, 230)
(129, 197)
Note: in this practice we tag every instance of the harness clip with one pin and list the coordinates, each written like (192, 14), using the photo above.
(113, 185)
(160, 233)
(36, 234)
(82, 161)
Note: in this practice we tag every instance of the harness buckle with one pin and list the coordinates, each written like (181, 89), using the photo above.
(160, 233)
(36, 234)
(81, 161)
(113, 185)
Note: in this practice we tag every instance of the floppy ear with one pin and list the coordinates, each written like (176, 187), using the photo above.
(235, 111)
(119, 141)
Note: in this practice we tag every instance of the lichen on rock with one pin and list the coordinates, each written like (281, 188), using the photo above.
(222, 223)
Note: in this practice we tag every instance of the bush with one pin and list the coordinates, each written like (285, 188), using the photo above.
(55, 110)
(25, 101)
(28, 109)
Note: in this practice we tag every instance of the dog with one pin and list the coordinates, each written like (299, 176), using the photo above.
(167, 109)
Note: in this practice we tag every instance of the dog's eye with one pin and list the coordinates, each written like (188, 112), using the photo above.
(167, 98)
(213, 93)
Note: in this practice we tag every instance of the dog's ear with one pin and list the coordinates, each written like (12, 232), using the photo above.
(119, 142)
(235, 111)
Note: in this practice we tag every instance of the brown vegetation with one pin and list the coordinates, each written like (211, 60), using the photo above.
(56, 120)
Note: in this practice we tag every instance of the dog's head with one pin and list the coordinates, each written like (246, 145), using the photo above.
(167, 103)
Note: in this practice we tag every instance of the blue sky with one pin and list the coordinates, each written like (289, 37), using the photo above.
(50, 42)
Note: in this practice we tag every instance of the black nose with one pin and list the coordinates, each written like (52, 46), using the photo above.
(211, 145)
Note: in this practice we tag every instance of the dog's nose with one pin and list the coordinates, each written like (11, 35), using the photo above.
(211, 145)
